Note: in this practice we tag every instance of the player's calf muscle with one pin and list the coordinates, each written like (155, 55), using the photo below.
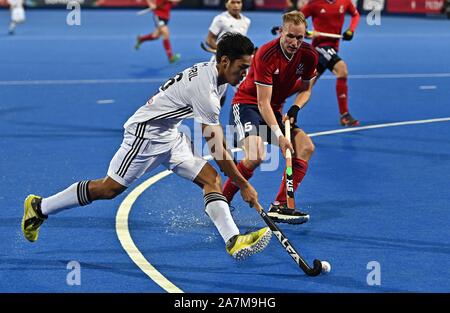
(104, 188)
(209, 180)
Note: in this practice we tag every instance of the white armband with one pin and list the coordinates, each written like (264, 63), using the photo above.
(278, 132)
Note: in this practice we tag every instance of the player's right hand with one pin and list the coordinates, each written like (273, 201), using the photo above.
(285, 145)
(249, 194)
(347, 35)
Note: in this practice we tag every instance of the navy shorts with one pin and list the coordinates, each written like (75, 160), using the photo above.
(160, 21)
(247, 121)
(328, 58)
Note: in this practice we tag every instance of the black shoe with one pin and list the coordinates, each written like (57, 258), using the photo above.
(348, 120)
(279, 212)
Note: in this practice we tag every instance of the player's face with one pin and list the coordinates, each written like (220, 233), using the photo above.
(292, 37)
(234, 7)
(235, 71)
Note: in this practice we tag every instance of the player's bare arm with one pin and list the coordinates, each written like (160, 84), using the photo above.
(264, 94)
(211, 40)
(215, 139)
(300, 101)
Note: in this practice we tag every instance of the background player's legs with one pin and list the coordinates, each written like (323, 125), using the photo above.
(254, 155)
(165, 33)
(341, 72)
(304, 149)
(17, 17)
(152, 36)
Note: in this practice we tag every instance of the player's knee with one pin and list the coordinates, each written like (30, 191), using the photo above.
(305, 148)
(214, 182)
(254, 160)
(309, 148)
(342, 71)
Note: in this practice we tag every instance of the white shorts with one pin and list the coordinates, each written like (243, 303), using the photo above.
(18, 14)
(137, 156)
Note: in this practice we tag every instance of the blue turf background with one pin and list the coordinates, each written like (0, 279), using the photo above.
(376, 195)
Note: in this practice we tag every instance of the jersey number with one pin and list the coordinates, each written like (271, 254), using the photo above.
(171, 81)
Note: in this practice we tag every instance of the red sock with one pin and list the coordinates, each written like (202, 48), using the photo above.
(230, 189)
(147, 37)
(299, 168)
(342, 94)
(168, 48)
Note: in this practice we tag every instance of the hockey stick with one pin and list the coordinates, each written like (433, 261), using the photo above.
(207, 48)
(145, 11)
(289, 175)
(310, 33)
(284, 241)
(329, 35)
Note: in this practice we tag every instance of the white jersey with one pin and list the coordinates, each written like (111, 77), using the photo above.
(193, 93)
(225, 22)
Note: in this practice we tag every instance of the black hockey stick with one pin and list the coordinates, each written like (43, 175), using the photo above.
(317, 268)
(207, 48)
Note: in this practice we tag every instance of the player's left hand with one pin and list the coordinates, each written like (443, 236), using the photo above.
(292, 114)
(275, 30)
(347, 35)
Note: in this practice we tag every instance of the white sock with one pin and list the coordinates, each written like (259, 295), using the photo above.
(76, 195)
(218, 210)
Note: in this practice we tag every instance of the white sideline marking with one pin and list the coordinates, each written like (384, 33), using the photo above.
(428, 87)
(127, 242)
(81, 81)
(106, 101)
(105, 37)
(160, 80)
(123, 212)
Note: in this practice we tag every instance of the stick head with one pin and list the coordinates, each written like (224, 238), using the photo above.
(317, 269)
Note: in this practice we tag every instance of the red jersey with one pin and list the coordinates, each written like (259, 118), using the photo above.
(271, 67)
(163, 8)
(328, 16)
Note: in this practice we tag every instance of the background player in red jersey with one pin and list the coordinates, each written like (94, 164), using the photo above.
(328, 16)
(279, 68)
(161, 15)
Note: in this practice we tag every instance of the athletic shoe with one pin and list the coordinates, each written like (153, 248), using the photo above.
(32, 217)
(12, 28)
(138, 43)
(348, 120)
(279, 212)
(241, 247)
(175, 58)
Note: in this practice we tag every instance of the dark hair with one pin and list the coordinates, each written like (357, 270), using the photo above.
(234, 46)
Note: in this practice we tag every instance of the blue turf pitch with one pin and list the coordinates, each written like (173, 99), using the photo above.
(374, 195)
